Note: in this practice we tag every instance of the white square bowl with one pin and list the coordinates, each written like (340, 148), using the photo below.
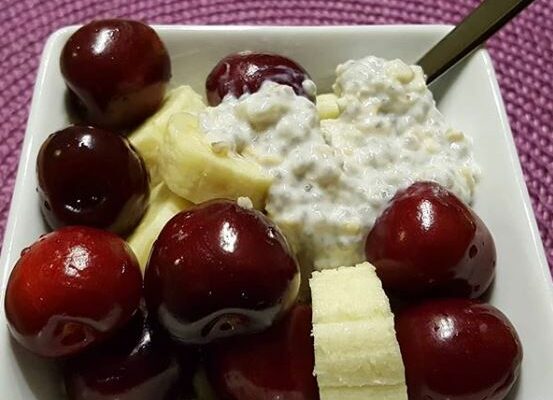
(468, 96)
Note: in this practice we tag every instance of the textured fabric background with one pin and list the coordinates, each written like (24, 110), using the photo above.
(522, 52)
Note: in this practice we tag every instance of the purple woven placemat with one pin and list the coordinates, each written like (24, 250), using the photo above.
(522, 52)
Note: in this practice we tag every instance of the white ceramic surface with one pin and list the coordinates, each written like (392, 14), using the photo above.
(468, 96)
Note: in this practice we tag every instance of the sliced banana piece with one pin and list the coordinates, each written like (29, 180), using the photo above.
(388, 392)
(192, 168)
(147, 137)
(357, 355)
(164, 204)
(327, 106)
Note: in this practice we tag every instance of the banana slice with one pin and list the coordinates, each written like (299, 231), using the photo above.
(194, 169)
(164, 204)
(147, 137)
(389, 392)
(357, 355)
(327, 106)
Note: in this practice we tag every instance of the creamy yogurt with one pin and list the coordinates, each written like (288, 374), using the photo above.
(332, 178)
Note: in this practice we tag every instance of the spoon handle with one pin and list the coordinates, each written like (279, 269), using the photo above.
(474, 30)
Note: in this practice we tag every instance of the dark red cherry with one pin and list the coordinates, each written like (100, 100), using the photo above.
(139, 363)
(89, 176)
(244, 72)
(219, 270)
(118, 70)
(275, 364)
(458, 349)
(71, 289)
(429, 243)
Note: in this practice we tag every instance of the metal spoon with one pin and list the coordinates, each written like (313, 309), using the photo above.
(474, 30)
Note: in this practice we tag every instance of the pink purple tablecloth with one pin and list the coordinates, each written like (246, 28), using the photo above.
(522, 52)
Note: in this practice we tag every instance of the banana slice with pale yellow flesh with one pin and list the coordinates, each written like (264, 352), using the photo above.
(327, 106)
(164, 204)
(147, 137)
(357, 356)
(194, 169)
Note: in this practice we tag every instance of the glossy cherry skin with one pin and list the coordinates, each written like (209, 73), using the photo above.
(244, 72)
(118, 70)
(429, 243)
(90, 176)
(72, 288)
(139, 363)
(219, 270)
(275, 364)
(458, 349)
